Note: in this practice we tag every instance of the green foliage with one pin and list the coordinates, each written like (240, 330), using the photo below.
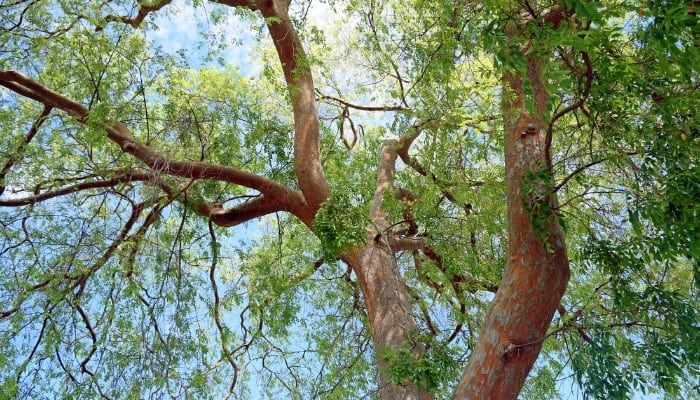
(146, 296)
(340, 224)
(536, 202)
(9, 389)
(424, 361)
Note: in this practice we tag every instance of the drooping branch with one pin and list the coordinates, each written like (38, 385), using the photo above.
(22, 147)
(217, 310)
(284, 198)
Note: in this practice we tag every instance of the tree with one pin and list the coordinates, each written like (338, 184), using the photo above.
(545, 147)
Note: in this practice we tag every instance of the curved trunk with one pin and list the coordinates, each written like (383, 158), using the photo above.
(388, 310)
(537, 271)
(297, 74)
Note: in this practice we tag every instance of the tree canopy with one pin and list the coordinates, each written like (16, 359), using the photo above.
(349, 199)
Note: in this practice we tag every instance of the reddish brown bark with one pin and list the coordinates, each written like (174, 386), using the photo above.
(388, 310)
(536, 275)
(385, 293)
(297, 73)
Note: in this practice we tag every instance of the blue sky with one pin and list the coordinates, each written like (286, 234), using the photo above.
(182, 26)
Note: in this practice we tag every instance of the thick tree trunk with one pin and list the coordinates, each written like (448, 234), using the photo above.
(388, 310)
(536, 273)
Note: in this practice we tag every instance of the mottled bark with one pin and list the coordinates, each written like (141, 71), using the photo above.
(536, 274)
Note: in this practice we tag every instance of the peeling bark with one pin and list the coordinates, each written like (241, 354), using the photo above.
(536, 273)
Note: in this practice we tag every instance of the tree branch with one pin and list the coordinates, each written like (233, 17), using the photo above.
(240, 213)
(346, 104)
(457, 280)
(135, 22)
(576, 172)
(121, 178)
(577, 104)
(285, 198)
(297, 74)
(385, 181)
(404, 145)
(217, 310)
(20, 149)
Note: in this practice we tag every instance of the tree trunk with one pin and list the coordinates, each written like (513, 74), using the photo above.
(536, 273)
(388, 310)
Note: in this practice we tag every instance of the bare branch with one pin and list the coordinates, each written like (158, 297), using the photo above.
(217, 309)
(347, 104)
(122, 178)
(240, 213)
(405, 142)
(576, 172)
(251, 4)
(403, 243)
(577, 104)
(93, 338)
(135, 22)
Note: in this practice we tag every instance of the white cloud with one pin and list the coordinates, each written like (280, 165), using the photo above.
(177, 28)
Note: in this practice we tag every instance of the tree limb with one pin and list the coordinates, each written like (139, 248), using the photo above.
(240, 213)
(571, 107)
(404, 145)
(285, 198)
(297, 73)
(121, 178)
(347, 104)
(385, 181)
(135, 22)
(20, 149)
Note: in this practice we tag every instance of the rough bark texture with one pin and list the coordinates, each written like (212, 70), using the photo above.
(388, 310)
(536, 275)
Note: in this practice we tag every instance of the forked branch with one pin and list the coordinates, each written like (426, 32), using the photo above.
(283, 198)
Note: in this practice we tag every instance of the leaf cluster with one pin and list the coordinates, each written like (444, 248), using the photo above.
(340, 224)
(425, 362)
